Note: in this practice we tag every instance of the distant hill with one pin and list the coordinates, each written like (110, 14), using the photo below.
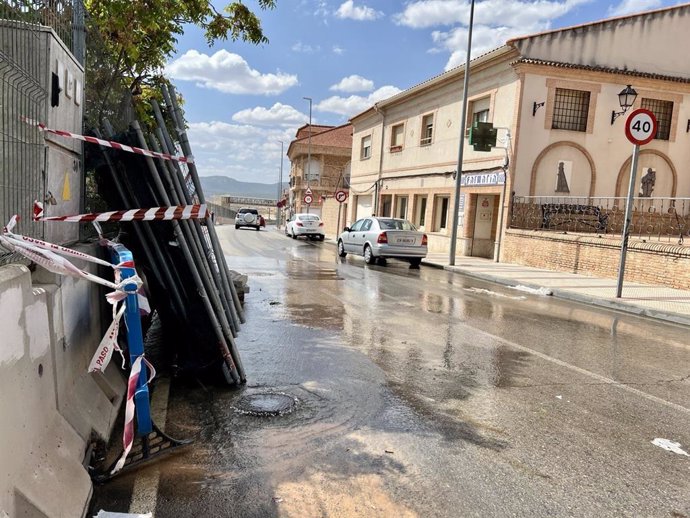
(216, 185)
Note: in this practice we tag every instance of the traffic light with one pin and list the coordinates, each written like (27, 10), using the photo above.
(483, 136)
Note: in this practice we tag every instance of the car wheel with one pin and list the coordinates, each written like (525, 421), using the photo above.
(415, 262)
(322, 237)
(341, 249)
(368, 255)
(236, 227)
(294, 236)
(382, 261)
(257, 228)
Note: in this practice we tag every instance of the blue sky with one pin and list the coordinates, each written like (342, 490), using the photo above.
(241, 100)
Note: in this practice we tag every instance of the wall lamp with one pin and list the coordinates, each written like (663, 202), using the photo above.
(536, 106)
(626, 99)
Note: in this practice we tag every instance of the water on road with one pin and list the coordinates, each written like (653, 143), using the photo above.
(391, 391)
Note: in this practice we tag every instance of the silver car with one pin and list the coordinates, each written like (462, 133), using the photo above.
(381, 238)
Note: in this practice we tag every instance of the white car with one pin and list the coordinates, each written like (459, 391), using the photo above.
(309, 225)
(382, 238)
(249, 218)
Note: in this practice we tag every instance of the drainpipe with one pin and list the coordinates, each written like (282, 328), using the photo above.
(381, 112)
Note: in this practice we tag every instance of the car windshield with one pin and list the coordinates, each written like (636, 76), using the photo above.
(396, 224)
(308, 217)
(251, 211)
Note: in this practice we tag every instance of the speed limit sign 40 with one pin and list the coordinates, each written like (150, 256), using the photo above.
(308, 199)
(641, 126)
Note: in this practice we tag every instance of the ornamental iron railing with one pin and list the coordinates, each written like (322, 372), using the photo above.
(663, 219)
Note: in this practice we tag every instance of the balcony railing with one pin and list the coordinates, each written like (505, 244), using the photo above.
(663, 219)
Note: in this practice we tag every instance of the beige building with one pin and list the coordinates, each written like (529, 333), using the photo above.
(551, 96)
(320, 164)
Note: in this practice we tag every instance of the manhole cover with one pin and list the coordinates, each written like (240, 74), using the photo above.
(266, 404)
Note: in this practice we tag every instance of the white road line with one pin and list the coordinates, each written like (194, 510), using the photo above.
(579, 370)
(145, 490)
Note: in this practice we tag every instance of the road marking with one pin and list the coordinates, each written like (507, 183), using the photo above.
(580, 370)
(594, 375)
(145, 490)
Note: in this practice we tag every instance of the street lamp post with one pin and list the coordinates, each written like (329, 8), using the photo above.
(463, 126)
(280, 186)
(308, 148)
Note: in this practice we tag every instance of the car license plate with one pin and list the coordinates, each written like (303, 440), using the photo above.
(405, 241)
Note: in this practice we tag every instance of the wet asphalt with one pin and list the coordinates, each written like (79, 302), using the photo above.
(420, 392)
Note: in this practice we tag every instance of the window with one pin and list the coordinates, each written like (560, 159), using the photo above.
(357, 225)
(427, 129)
(480, 116)
(312, 170)
(420, 211)
(366, 225)
(366, 147)
(663, 111)
(397, 133)
(478, 111)
(570, 109)
(441, 213)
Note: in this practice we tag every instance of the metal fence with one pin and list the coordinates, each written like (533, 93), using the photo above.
(662, 219)
(24, 74)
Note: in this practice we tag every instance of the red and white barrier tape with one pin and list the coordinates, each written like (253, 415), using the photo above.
(108, 143)
(128, 433)
(47, 255)
(152, 214)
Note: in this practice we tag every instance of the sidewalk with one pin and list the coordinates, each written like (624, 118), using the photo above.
(657, 302)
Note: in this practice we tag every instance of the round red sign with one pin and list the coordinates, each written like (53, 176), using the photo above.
(640, 127)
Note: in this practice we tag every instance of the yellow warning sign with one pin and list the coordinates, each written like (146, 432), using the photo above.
(66, 191)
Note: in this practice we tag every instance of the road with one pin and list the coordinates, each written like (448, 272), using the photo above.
(425, 393)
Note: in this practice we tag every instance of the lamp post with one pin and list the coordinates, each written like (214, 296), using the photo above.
(280, 186)
(463, 126)
(308, 148)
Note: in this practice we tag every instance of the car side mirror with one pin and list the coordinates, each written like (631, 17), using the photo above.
(346, 229)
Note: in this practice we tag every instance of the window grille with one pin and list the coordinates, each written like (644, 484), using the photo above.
(570, 110)
(663, 111)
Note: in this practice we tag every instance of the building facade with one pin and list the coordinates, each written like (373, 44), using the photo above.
(551, 96)
(320, 164)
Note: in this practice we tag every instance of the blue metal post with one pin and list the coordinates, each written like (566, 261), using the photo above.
(135, 340)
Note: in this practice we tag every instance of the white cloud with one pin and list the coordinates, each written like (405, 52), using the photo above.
(338, 50)
(633, 6)
(495, 21)
(228, 73)
(277, 115)
(305, 49)
(348, 10)
(353, 83)
(354, 104)
(431, 13)
(255, 151)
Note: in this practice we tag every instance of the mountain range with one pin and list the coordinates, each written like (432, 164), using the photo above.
(217, 185)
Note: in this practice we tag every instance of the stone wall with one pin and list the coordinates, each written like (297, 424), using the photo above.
(664, 264)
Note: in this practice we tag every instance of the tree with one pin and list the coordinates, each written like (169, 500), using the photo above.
(130, 40)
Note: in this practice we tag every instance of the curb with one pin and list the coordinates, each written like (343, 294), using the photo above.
(664, 316)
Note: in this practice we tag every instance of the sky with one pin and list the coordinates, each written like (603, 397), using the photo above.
(242, 100)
